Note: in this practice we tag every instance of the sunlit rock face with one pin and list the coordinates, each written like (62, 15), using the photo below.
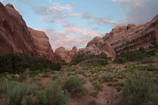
(132, 37)
(97, 46)
(16, 37)
(62, 54)
(42, 46)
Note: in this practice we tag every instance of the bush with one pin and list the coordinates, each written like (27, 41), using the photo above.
(142, 50)
(137, 91)
(151, 53)
(147, 60)
(74, 86)
(120, 60)
(17, 94)
(53, 95)
(17, 63)
(92, 59)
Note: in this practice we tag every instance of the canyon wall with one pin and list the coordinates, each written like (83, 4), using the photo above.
(16, 37)
(132, 37)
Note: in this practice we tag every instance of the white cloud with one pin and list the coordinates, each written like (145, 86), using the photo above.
(120, 0)
(141, 11)
(71, 36)
(1, 0)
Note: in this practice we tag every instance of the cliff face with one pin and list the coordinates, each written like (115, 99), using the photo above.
(42, 46)
(97, 46)
(16, 37)
(14, 34)
(132, 37)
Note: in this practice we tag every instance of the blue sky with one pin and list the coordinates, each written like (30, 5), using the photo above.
(71, 23)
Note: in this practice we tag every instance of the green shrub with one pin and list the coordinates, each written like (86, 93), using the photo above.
(52, 95)
(18, 63)
(142, 50)
(120, 60)
(97, 85)
(147, 60)
(137, 91)
(74, 86)
(151, 53)
(92, 59)
(148, 68)
(18, 94)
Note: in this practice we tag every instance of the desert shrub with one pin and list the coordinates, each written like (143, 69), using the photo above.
(137, 91)
(151, 53)
(97, 85)
(18, 62)
(74, 86)
(129, 56)
(55, 66)
(147, 60)
(120, 60)
(92, 59)
(108, 78)
(18, 94)
(119, 84)
(142, 50)
(148, 68)
(52, 95)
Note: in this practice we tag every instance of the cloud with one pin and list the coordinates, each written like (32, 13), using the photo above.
(71, 36)
(140, 12)
(120, 0)
(1, 0)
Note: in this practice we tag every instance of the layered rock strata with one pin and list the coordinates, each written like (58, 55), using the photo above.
(132, 37)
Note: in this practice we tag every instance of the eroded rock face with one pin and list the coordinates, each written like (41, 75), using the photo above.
(42, 46)
(62, 54)
(15, 36)
(97, 46)
(133, 37)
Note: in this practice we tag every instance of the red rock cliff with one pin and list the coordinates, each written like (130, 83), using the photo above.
(42, 46)
(132, 37)
(16, 37)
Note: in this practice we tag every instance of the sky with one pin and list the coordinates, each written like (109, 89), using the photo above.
(71, 23)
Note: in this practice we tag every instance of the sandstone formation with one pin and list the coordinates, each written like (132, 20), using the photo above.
(61, 54)
(15, 36)
(42, 46)
(97, 46)
(132, 37)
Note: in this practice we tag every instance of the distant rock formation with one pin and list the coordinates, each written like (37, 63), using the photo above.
(97, 46)
(132, 37)
(16, 37)
(62, 54)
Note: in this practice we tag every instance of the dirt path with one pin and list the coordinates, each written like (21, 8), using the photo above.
(103, 98)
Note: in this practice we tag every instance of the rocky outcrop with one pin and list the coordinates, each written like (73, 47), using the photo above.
(132, 37)
(15, 36)
(42, 46)
(97, 46)
(61, 54)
